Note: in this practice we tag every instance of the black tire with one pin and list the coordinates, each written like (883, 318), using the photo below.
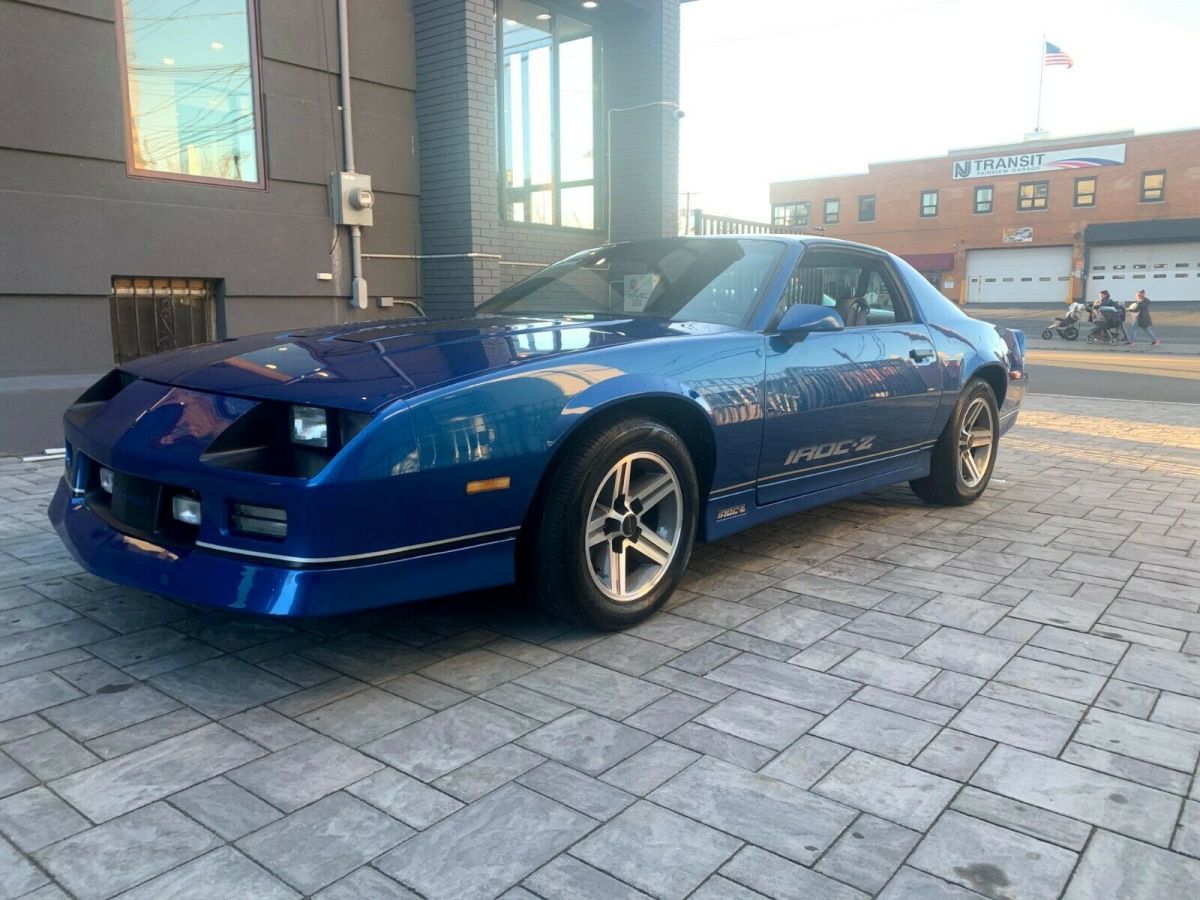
(946, 483)
(1070, 333)
(558, 570)
(1047, 334)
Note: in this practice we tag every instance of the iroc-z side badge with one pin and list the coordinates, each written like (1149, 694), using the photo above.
(730, 511)
(833, 448)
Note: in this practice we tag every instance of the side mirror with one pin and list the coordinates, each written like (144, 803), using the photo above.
(802, 319)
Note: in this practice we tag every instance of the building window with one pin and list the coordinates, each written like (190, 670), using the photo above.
(1033, 195)
(792, 214)
(549, 110)
(1085, 191)
(1154, 186)
(929, 204)
(983, 199)
(866, 208)
(191, 96)
(832, 211)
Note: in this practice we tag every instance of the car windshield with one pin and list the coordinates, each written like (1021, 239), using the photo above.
(698, 280)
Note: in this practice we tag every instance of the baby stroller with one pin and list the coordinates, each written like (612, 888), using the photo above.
(1066, 326)
(1108, 325)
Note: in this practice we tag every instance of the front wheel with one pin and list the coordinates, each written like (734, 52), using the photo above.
(616, 526)
(965, 453)
(1070, 333)
(1047, 334)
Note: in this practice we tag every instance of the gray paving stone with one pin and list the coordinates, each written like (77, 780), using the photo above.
(317, 845)
(805, 762)
(649, 767)
(567, 878)
(1067, 612)
(677, 680)
(952, 689)
(526, 702)
(222, 687)
(318, 695)
(403, 797)
(1178, 673)
(1017, 696)
(222, 873)
(586, 741)
(833, 589)
(101, 713)
(628, 654)
(142, 646)
(439, 744)
(721, 613)
(370, 658)
(868, 853)
(1080, 793)
(147, 841)
(953, 754)
(13, 778)
(497, 842)
(571, 788)
(50, 754)
(885, 671)
(1017, 725)
(721, 745)
(267, 727)
(641, 847)
(363, 717)
(484, 775)
(23, 726)
(119, 785)
(965, 652)
(1187, 836)
(961, 612)
(786, 683)
(704, 658)
(1148, 774)
(1130, 699)
(756, 645)
(1051, 679)
(1087, 646)
(22, 696)
(756, 808)
(1022, 817)
(476, 670)
(221, 806)
(135, 737)
(822, 656)
(365, 883)
(1177, 711)
(876, 731)
(296, 669)
(425, 691)
(302, 773)
(665, 715)
(1115, 866)
(774, 876)
(758, 719)
(593, 687)
(30, 644)
(1147, 741)
(34, 818)
(889, 627)
(793, 625)
(994, 861)
(674, 631)
(717, 887)
(889, 790)
(913, 884)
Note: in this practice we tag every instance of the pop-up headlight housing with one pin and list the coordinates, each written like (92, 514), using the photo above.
(310, 426)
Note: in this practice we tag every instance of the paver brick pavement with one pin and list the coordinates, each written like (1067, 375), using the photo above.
(874, 698)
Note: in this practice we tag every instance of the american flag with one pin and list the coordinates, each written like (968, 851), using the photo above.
(1056, 57)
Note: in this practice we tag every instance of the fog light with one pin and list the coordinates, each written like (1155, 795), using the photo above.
(106, 480)
(186, 509)
(270, 521)
(310, 426)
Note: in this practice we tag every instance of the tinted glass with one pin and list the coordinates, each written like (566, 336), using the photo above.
(716, 281)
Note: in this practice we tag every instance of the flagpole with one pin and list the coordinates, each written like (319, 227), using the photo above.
(1041, 80)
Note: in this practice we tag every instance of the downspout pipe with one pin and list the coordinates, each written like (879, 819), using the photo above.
(358, 284)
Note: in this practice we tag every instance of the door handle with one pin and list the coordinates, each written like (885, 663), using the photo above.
(920, 355)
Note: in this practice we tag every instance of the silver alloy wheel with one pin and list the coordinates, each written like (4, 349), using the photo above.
(975, 441)
(634, 526)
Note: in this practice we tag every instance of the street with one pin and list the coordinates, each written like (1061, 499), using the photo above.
(1109, 373)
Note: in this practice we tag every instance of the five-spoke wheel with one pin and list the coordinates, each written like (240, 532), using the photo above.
(965, 453)
(976, 438)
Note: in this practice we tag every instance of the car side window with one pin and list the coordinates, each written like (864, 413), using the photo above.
(858, 287)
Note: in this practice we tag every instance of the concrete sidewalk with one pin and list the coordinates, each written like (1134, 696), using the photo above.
(875, 698)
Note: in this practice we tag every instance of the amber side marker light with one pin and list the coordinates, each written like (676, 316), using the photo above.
(489, 484)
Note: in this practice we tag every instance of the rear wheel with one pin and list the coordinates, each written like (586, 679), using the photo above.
(617, 526)
(965, 453)
(1070, 333)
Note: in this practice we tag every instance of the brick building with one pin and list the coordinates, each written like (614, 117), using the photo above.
(1038, 221)
(165, 168)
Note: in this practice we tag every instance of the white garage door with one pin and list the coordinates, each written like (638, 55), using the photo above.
(1163, 271)
(1019, 275)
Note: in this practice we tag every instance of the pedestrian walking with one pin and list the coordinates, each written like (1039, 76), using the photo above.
(1142, 320)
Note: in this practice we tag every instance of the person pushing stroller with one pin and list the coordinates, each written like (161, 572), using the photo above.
(1108, 318)
(1142, 320)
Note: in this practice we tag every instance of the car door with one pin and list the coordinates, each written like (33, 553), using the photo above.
(846, 405)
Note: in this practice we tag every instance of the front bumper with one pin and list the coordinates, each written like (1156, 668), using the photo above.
(217, 580)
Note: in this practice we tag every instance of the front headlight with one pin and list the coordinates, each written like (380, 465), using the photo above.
(310, 426)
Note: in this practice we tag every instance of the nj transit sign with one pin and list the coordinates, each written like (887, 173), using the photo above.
(1041, 161)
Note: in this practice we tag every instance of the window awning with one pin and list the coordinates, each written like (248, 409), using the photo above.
(930, 262)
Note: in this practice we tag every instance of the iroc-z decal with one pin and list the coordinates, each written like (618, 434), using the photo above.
(730, 511)
(833, 448)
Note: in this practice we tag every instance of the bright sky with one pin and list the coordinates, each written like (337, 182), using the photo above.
(779, 89)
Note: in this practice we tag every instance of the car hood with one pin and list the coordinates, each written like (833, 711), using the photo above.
(367, 365)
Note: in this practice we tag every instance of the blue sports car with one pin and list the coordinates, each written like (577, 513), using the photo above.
(577, 433)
